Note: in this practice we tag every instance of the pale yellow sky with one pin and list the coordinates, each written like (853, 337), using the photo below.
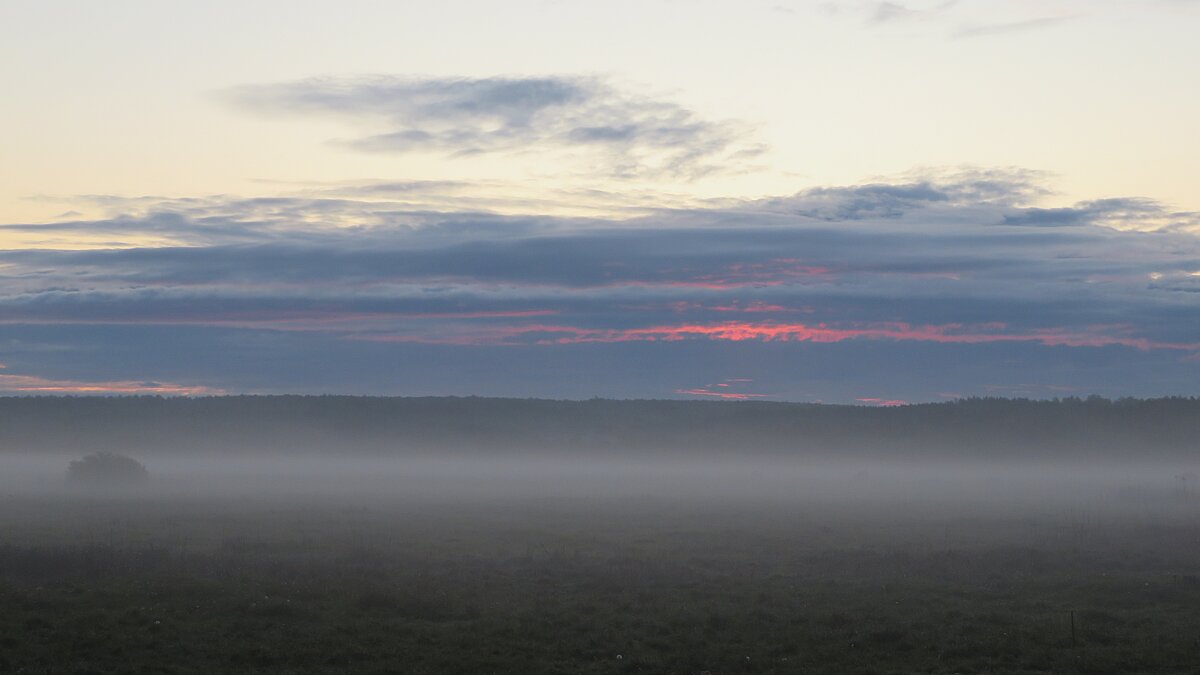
(125, 98)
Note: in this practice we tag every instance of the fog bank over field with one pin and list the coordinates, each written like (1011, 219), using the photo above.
(335, 534)
(1012, 455)
(919, 486)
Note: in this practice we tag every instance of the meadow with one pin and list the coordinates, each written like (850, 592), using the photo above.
(649, 568)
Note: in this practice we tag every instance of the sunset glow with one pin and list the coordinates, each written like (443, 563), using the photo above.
(549, 334)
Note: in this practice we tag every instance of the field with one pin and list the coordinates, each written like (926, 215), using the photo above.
(657, 568)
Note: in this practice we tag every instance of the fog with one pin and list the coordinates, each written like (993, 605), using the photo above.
(919, 484)
(373, 556)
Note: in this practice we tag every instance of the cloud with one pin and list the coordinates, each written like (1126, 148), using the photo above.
(965, 263)
(857, 247)
(881, 402)
(889, 11)
(737, 331)
(1122, 213)
(729, 389)
(701, 391)
(984, 30)
(32, 384)
(884, 12)
(632, 135)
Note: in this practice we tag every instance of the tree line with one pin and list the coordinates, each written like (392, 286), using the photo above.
(987, 427)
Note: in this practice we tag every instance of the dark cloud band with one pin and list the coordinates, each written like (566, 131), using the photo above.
(959, 262)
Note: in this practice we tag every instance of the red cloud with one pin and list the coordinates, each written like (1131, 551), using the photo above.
(785, 332)
(733, 396)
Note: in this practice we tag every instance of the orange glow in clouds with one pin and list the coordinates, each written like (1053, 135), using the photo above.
(32, 384)
(723, 390)
(737, 331)
(883, 402)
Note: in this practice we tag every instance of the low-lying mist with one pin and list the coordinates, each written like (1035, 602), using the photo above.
(1014, 484)
(598, 538)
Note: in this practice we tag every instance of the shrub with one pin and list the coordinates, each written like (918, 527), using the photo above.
(107, 468)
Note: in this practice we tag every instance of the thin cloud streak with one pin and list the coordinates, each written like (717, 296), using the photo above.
(633, 135)
(987, 30)
(32, 384)
(729, 396)
(882, 402)
(550, 334)
(727, 389)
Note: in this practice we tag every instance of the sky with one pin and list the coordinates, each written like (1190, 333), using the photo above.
(844, 202)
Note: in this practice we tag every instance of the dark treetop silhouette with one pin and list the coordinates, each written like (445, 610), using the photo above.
(991, 428)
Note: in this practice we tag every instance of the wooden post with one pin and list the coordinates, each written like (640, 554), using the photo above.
(1073, 642)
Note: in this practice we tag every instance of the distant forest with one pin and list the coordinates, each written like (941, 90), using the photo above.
(981, 427)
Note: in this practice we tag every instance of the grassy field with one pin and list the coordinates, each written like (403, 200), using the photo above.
(176, 581)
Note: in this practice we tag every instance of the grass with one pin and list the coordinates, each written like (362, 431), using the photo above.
(587, 585)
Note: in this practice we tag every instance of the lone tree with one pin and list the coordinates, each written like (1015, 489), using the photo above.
(1185, 484)
(107, 469)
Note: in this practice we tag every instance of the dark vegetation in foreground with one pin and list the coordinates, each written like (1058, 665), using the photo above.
(635, 586)
(996, 428)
